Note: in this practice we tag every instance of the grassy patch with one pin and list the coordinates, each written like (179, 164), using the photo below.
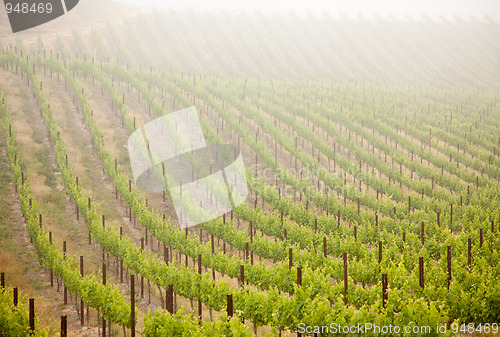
(5, 206)
(37, 140)
(54, 204)
(123, 158)
(54, 198)
(5, 224)
(47, 168)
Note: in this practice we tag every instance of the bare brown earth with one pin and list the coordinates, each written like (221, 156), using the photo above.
(17, 255)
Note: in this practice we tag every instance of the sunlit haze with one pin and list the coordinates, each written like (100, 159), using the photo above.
(249, 168)
(384, 8)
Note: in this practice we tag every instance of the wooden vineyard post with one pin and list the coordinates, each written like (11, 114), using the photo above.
(104, 283)
(251, 231)
(81, 300)
(384, 289)
(379, 251)
(355, 233)
(299, 276)
(344, 256)
(242, 275)
(199, 300)
(448, 260)
(142, 286)
(324, 246)
(438, 214)
(32, 314)
(65, 289)
(229, 305)
(290, 258)
(51, 271)
(142, 276)
(421, 271)
(64, 326)
(132, 306)
(16, 297)
(422, 231)
(170, 299)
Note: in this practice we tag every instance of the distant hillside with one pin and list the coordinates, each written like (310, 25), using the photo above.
(261, 45)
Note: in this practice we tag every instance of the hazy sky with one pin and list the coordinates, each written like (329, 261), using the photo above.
(399, 8)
